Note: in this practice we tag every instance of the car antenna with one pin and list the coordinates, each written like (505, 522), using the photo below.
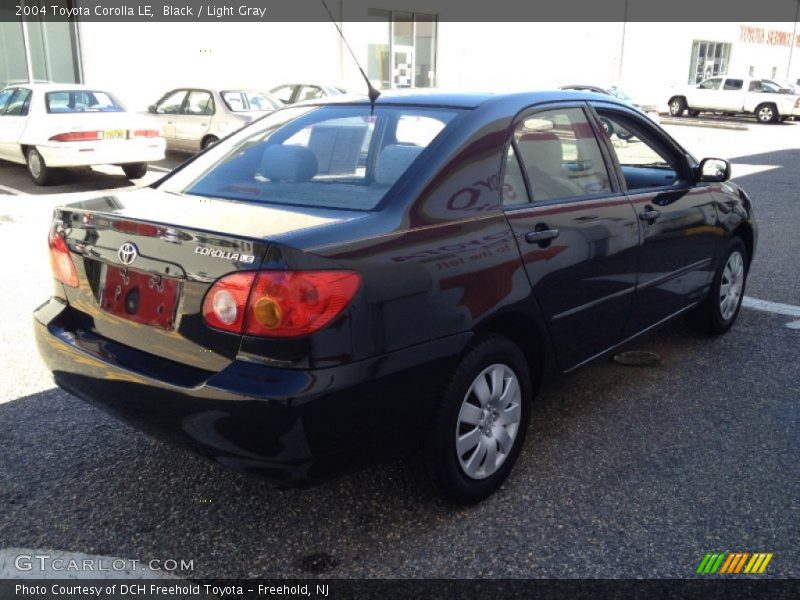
(371, 91)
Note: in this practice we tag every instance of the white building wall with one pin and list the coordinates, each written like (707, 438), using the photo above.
(141, 62)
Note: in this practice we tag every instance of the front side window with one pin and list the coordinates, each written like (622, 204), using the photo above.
(75, 101)
(561, 155)
(710, 84)
(644, 162)
(199, 103)
(329, 157)
(172, 104)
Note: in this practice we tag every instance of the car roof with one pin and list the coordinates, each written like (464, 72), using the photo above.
(440, 98)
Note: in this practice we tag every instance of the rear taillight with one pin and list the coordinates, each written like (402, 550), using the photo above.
(279, 303)
(143, 133)
(78, 136)
(61, 260)
(797, 103)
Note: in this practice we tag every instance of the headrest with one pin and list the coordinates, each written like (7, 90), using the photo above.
(394, 161)
(288, 163)
(542, 151)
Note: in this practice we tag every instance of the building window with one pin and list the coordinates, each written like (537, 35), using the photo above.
(709, 59)
(37, 50)
(401, 49)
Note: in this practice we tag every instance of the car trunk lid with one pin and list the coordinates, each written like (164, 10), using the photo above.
(145, 260)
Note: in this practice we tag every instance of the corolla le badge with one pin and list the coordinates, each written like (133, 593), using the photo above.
(127, 253)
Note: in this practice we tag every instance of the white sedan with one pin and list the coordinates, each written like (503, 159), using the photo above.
(52, 125)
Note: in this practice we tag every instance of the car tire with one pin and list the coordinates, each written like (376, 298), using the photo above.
(135, 170)
(38, 169)
(767, 113)
(719, 310)
(677, 106)
(496, 369)
(624, 135)
(607, 126)
(209, 141)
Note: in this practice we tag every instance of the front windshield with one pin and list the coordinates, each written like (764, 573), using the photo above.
(332, 156)
(245, 101)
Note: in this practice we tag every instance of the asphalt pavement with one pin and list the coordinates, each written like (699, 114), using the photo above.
(626, 472)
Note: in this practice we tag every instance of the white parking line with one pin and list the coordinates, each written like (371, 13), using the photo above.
(11, 190)
(777, 308)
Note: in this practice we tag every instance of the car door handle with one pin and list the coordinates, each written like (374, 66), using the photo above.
(541, 235)
(649, 214)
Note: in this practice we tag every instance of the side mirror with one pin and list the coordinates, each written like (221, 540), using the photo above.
(714, 170)
(151, 108)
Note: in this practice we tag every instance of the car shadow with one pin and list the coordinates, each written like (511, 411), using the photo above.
(76, 479)
(730, 119)
(66, 180)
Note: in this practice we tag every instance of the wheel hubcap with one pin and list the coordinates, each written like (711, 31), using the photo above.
(488, 421)
(765, 114)
(731, 286)
(675, 107)
(34, 164)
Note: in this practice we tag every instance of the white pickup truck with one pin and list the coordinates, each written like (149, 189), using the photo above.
(760, 97)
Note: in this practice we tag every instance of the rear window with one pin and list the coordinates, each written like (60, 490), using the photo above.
(244, 101)
(75, 101)
(344, 157)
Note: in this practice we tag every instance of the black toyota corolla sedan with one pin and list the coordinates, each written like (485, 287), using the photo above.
(349, 280)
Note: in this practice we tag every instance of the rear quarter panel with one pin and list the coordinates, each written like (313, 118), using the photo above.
(440, 258)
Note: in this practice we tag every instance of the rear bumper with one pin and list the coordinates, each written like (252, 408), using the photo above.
(284, 424)
(102, 152)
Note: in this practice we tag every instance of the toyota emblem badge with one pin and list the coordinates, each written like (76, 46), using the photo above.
(127, 253)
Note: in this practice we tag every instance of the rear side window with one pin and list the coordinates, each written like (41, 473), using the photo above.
(733, 84)
(561, 155)
(199, 103)
(75, 101)
(330, 156)
(283, 93)
(243, 101)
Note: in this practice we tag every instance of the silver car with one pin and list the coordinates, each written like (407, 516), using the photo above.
(193, 119)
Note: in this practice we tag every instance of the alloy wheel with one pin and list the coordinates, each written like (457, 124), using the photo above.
(488, 421)
(765, 114)
(731, 285)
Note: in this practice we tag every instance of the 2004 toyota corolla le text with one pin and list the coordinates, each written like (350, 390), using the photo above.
(421, 265)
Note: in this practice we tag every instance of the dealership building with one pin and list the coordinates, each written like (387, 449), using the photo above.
(399, 46)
